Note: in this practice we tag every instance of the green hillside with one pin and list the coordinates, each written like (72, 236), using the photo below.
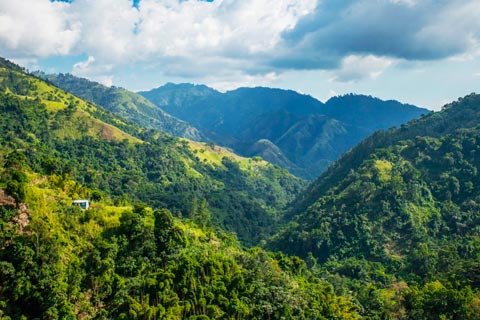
(73, 117)
(124, 103)
(399, 210)
(121, 259)
(390, 231)
(60, 134)
(132, 262)
(290, 129)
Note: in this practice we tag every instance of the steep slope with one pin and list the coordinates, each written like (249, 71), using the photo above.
(370, 113)
(398, 211)
(407, 198)
(178, 99)
(308, 133)
(126, 104)
(132, 262)
(55, 131)
(74, 118)
(123, 260)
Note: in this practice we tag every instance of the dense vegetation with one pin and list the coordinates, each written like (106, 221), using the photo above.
(110, 262)
(391, 231)
(124, 261)
(59, 134)
(284, 127)
(402, 209)
(124, 103)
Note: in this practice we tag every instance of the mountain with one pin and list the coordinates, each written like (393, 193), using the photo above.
(121, 259)
(392, 243)
(404, 203)
(57, 133)
(370, 113)
(124, 103)
(304, 135)
(132, 262)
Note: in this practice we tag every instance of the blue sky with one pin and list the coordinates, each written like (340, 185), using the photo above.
(424, 52)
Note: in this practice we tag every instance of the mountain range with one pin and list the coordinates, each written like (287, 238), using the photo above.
(286, 128)
(123, 103)
(293, 130)
(105, 152)
(184, 229)
(403, 203)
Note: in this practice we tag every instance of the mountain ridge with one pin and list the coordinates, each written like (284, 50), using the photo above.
(111, 154)
(124, 103)
(406, 182)
(394, 236)
(241, 117)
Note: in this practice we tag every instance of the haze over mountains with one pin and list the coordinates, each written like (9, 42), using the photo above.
(292, 130)
(389, 231)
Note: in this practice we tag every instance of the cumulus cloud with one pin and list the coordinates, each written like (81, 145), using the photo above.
(246, 41)
(185, 37)
(33, 28)
(89, 69)
(357, 67)
(411, 30)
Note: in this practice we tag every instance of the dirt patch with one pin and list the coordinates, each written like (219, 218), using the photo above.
(6, 200)
(107, 133)
(22, 219)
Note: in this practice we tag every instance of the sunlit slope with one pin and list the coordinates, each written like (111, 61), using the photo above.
(408, 198)
(60, 133)
(70, 117)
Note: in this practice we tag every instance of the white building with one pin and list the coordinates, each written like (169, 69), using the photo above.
(82, 204)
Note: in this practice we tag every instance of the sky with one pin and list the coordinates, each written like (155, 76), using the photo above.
(424, 52)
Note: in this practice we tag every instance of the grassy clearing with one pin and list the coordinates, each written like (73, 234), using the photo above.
(384, 169)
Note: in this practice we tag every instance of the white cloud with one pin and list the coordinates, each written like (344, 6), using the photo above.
(408, 3)
(36, 28)
(356, 67)
(239, 41)
(106, 80)
(89, 69)
(83, 66)
(186, 38)
(240, 80)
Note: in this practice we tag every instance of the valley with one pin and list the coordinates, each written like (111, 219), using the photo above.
(180, 227)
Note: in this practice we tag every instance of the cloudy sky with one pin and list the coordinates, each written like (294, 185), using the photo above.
(425, 52)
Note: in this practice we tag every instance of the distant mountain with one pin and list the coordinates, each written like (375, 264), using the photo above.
(56, 133)
(408, 198)
(304, 135)
(122, 259)
(370, 113)
(124, 103)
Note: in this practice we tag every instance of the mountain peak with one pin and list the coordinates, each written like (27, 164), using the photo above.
(180, 86)
(357, 97)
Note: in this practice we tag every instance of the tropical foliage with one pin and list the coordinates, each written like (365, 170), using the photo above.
(390, 231)
(401, 210)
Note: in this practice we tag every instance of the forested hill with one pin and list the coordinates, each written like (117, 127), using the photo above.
(405, 204)
(126, 104)
(285, 127)
(121, 259)
(454, 116)
(59, 134)
(396, 238)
